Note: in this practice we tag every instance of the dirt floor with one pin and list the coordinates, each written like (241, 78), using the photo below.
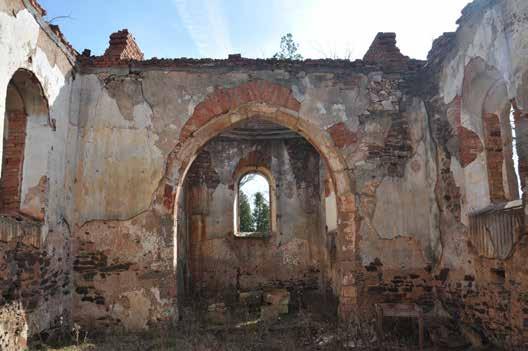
(291, 332)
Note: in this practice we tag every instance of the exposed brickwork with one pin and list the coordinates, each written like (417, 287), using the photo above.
(383, 51)
(138, 273)
(12, 162)
(168, 197)
(494, 156)
(341, 135)
(470, 145)
(89, 63)
(494, 300)
(203, 172)
(123, 47)
(398, 286)
(396, 150)
(260, 157)
(223, 100)
(29, 277)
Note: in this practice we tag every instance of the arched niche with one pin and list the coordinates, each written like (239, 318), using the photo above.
(25, 130)
(486, 111)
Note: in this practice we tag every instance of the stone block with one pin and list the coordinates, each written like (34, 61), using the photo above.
(277, 297)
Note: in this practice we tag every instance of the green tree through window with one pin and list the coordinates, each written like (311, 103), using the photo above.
(246, 219)
(260, 213)
(253, 204)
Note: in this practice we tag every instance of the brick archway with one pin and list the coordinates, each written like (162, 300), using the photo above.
(222, 101)
(274, 103)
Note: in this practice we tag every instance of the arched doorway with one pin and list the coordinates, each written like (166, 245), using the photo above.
(203, 127)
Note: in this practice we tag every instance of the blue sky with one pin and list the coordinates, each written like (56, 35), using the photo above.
(216, 28)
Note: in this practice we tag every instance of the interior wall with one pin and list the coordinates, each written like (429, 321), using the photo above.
(291, 256)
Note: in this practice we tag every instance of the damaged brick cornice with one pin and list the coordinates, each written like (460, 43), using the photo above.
(95, 64)
(53, 31)
(123, 51)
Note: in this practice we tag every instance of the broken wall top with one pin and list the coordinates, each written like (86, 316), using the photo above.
(124, 52)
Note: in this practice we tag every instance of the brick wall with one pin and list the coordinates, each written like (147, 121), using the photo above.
(12, 161)
(384, 51)
(123, 47)
(494, 156)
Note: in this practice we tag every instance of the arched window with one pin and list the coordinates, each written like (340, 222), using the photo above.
(254, 204)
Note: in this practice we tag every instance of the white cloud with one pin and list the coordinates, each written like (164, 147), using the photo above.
(323, 28)
(207, 25)
(339, 27)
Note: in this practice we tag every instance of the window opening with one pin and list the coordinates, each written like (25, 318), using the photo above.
(253, 205)
(514, 151)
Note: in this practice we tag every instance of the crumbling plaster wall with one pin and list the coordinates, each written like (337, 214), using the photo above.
(35, 261)
(491, 33)
(410, 133)
(478, 69)
(291, 255)
(131, 118)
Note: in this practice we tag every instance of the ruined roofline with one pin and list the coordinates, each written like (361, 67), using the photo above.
(383, 52)
(52, 30)
(99, 63)
(123, 51)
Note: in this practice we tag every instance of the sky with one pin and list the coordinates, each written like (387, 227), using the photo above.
(257, 184)
(253, 28)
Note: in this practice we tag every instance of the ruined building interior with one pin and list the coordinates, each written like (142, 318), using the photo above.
(390, 180)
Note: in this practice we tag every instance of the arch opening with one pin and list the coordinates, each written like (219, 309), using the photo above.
(492, 178)
(22, 152)
(302, 248)
(487, 113)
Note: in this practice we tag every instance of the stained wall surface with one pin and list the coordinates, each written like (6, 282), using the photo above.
(35, 262)
(291, 254)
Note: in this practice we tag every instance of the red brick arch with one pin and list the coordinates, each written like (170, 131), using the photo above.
(224, 100)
